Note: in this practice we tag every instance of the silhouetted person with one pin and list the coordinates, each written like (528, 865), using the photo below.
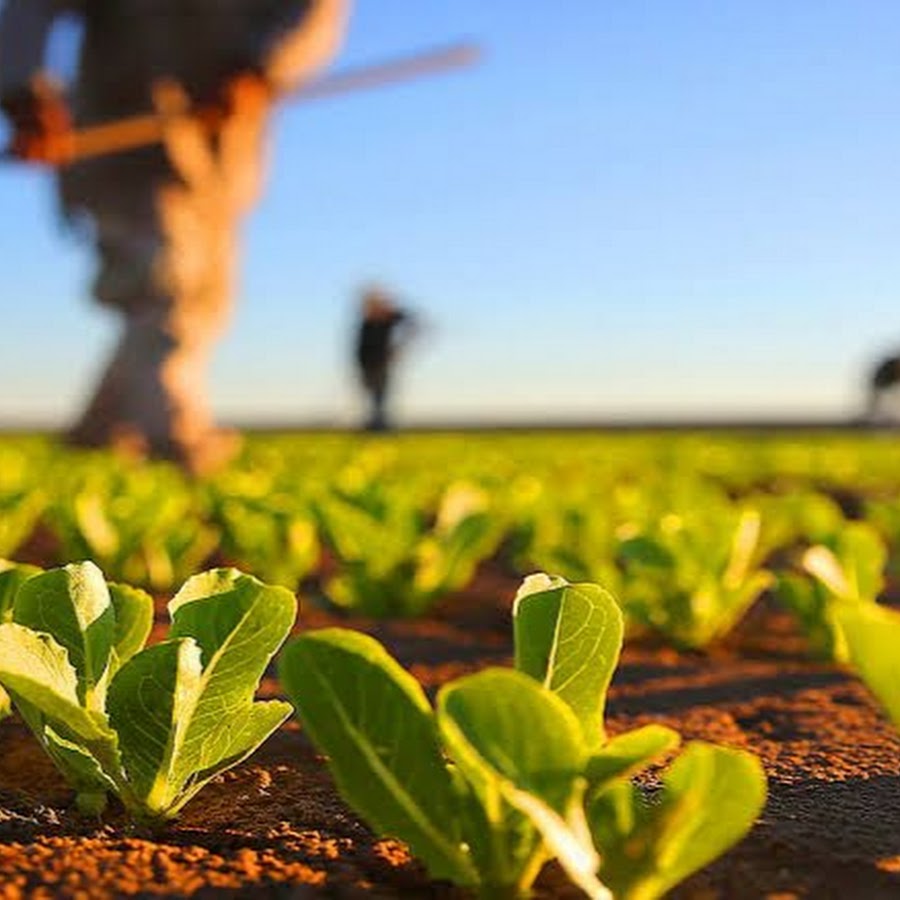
(883, 384)
(164, 218)
(383, 330)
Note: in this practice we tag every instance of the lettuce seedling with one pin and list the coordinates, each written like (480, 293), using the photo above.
(513, 767)
(847, 571)
(144, 525)
(802, 516)
(19, 513)
(693, 581)
(391, 564)
(274, 536)
(149, 724)
(871, 635)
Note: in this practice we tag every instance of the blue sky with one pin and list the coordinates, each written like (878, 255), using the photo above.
(657, 208)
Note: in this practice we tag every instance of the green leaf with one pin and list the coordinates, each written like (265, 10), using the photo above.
(872, 635)
(247, 728)
(568, 637)
(846, 572)
(502, 723)
(374, 722)
(508, 734)
(12, 575)
(150, 702)
(446, 562)
(239, 623)
(35, 667)
(133, 620)
(184, 709)
(864, 556)
(852, 567)
(710, 798)
(645, 551)
(76, 763)
(568, 838)
(62, 731)
(464, 533)
(629, 753)
(73, 604)
(153, 702)
(19, 511)
(811, 602)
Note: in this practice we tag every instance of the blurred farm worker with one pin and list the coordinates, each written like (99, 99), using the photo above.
(163, 217)
(383, 330)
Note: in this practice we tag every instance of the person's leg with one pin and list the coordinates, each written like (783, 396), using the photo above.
(169, 274)
(167, 239)
(375, 379)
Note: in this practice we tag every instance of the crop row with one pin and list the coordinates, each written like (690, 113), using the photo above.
(512, 768)
(689, 533)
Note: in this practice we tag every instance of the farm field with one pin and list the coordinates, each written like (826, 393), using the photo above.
(741, 562)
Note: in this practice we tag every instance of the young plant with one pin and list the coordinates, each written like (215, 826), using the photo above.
(513, 767)
(802, 516)
(390, 564)
(848, 571)
(149, 724)
(884, 516)
(19, 513)
(274, 536)
(693, 580)
(144, 525)
(871, 635)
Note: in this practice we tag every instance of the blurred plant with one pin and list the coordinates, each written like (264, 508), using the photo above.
(800, 518)
(848, 570)
(691, 577)
(145, 525)
(390, 564)
(275, 537)
(870, 635)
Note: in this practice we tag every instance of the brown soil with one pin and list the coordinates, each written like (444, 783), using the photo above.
(274, 828)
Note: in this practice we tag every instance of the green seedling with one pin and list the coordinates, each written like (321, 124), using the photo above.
(884, 516)
(145, 525)
(803, 516)
(391, 564)
(275, 537)
(871, 636)
(151, 725)
(693, 580)
(19, 513)
(513, 768)
(848, 571)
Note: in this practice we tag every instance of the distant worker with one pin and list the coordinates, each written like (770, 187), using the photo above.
(164, 218)
(883, 384)
(384, 329)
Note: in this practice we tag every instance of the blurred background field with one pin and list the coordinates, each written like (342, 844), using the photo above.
(390, 525)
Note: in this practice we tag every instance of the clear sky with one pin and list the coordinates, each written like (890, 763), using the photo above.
(630, 207)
